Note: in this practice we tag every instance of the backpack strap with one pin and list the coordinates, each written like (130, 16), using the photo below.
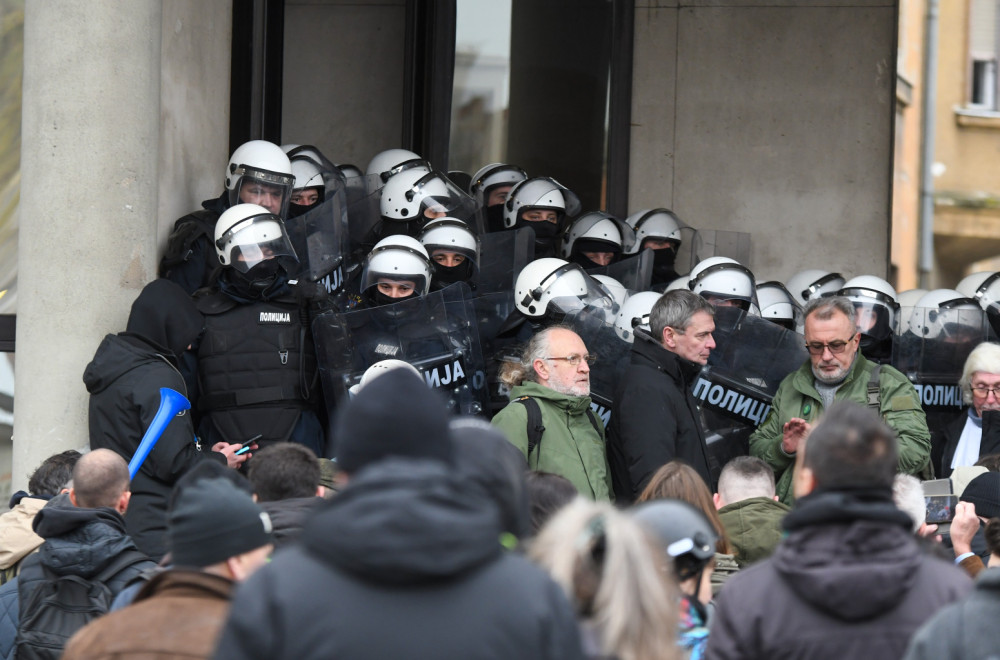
(874, 387)
(593, 422)
(534, 427)
(120, 564)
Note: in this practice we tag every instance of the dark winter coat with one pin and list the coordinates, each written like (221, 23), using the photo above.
(966, 630)
(178, 614)
(849, 581)
(655, 419)
(288, 516)
(404, 563)
(944, 441)
(124, 381)
(189, 259)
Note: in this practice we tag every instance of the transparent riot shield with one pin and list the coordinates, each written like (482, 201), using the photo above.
(715, 243)
(687, 252)
(436, 333)
(931, 352)
(320, 238)
(502, 255)
(635, 273)
(735, 389)
(611, 352)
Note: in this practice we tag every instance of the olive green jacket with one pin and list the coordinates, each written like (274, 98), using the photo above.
(570, 445)
(753, 526)
(899, 406)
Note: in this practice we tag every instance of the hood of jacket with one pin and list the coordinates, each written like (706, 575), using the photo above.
(164, 315)
(405, 521)
(646, 350)
(848, 553)
(116, 356)
(79, 541)
(289, 515)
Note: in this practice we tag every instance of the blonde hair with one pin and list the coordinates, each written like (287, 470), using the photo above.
(616, 577)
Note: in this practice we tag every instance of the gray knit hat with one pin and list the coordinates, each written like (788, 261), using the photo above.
(213, 520)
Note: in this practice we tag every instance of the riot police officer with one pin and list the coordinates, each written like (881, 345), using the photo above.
(257, 375)
(258, 172)
(542, 204)
(490, 185)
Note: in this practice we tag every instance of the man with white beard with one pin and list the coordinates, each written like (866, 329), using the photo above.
(549, 417)
(836, 370)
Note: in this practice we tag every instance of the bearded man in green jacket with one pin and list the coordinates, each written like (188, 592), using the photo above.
(836, 370)
(554, 375)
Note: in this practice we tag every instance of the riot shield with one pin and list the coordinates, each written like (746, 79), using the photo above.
(635, 273)
(932, 353)
(320, 238)
(502, 255)
(735, 389)
(435, 333)
(611, 352)
(715, 243)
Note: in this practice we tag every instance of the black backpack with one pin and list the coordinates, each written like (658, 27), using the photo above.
(60, 605)
(186, 231)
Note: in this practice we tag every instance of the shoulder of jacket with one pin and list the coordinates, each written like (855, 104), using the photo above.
(212, 302)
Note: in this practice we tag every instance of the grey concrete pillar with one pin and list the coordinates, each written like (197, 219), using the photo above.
(91, 117)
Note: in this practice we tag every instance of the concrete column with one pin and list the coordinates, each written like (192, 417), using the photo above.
(90, 126)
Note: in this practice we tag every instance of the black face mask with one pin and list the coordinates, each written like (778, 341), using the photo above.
(663, 266)
(445, 275)
(379, 299)
(584, 261)
(263, 281)
(494, 218)
(874, 348)
(295, 210)
(545, 236)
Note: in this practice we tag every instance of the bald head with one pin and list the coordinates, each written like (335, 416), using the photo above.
(100, 479)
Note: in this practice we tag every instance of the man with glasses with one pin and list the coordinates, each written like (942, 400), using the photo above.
(972, 435)
(836, 370)
(655, 418)
(549, 417)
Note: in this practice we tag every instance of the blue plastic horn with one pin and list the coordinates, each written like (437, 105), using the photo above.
(171, 403)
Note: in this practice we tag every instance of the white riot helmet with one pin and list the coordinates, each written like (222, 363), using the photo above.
(452, 235)
(679, 283)
(397, 258)
(814, 283)
(260, 173)
(539, 193)
(615, 289)
(634, 314)
(661, 224)
(875, 303)
(491, 176)
(247, 234)
(552, 285)
(596, 231)
(721, 279)
(384, 161)
(939, 314)
(976, 284)
(412, 197)
(778, 305)
(307, 175)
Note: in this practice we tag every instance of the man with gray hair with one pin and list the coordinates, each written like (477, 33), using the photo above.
(971, 435)
(836, 371)
(654, 417)
(549, 417)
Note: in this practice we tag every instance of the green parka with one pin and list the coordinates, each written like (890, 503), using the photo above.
(899, 406)
(570, 446)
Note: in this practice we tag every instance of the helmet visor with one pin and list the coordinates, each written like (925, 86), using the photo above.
(254, 240)
(272, 190)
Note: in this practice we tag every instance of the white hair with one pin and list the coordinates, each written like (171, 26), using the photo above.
(908, 495)
(985, 358)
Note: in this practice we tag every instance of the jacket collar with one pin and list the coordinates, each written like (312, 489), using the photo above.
(573, 404)
(648, 349)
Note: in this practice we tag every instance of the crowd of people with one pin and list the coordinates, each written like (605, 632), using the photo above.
(422, 414)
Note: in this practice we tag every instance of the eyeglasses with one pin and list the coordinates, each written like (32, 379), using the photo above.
(983, 391)
(836, 347)
(574, 359)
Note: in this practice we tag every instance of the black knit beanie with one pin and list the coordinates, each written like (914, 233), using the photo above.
(394, 415)
(213, 520)
(984, 492)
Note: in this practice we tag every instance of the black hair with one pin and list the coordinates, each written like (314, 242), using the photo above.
(283, 471)
(53, 474)
(547, 494)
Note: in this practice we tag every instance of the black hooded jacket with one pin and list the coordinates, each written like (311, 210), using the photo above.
(655, 419)
(849, 581)
(124, 381)
(403, 563)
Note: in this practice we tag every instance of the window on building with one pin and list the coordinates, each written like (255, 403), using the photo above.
(983, 46)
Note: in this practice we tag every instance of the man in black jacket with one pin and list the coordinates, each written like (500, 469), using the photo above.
(848, 581)
(406, 561)
(124, 381)
(655, 418)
